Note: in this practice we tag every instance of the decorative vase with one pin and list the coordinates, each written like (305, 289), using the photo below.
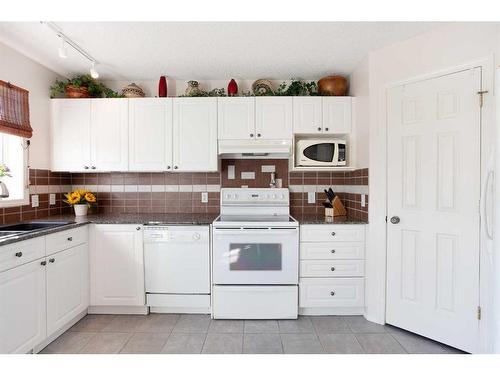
(81, 209)
(133, 91)
(4, 191)
(162, 87)
(192, 88)
(77, 92)
(332, 86)
(232, 88)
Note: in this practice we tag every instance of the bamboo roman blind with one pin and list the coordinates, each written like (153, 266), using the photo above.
(14, 110)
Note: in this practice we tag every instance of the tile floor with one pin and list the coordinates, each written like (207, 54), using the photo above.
(182, 334)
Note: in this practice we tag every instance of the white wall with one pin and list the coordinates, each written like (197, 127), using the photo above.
(359, 88)
(441, 49)
(26, 73)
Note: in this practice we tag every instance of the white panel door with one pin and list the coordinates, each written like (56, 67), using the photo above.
(434, 188)
(22, 308)
(116, 265)
(337, 115)
(70, 128)
(150, 134)
(109, 134)
(195, 134)
(67, 286)
(307, 115)
(273, 117)
(236, 118)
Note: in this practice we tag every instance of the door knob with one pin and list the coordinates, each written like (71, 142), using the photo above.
(395, 220)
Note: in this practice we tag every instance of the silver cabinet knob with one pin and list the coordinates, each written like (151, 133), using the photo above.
(251, 135)
(319, 129)
(332, 251)
(70, 238)
(52, 260)
(395, 220)
(86, 167)
(175, 167)
(19, 254)
(332, 269)
(138, 228)
(43, 263)
(168, 166)
(332, 293)
(333, 233)
(326, 129)
(258, 134)
(93, 167)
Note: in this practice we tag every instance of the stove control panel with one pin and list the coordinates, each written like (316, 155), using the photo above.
(254, 196)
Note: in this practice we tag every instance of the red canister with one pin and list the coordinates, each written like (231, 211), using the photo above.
(232, 88)
(162, 87)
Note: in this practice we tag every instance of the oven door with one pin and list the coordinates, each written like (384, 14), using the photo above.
(318, 154)
(255, 256)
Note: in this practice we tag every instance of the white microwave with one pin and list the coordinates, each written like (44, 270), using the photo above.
(321, 152)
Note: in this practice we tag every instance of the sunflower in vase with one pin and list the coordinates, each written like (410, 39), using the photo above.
(81, 200)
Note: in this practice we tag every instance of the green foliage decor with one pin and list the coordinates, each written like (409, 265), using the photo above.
(96, 88)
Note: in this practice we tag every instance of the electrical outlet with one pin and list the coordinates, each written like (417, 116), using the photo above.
(204, 197)
(311, 197)
(268, 168)
(363, 200)
(231, 174)
(52, 199)
(34, 200)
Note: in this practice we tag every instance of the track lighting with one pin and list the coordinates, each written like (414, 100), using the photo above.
(62, 49)
(93, 72)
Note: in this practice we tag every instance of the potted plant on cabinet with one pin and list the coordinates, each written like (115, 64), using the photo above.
(81, 200)
(82, 86)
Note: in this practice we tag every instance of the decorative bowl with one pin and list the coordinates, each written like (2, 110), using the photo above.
(332, 86)
(133, 91)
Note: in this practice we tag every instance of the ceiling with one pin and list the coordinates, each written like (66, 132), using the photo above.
(209, 50)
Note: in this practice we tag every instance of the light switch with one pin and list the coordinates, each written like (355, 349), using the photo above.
(34, 200)
(52, 199)
(231, 172)
(363, 200)
(311, 197)
(204, 197)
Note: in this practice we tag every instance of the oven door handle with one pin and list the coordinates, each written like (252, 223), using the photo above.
(240, 231)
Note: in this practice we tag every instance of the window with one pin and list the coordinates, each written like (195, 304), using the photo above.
(13, 154)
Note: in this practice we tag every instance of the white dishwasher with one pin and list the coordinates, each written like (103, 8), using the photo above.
(177, 268)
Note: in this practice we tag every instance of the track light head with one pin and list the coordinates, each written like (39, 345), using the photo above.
(93, 72)
(62, 49)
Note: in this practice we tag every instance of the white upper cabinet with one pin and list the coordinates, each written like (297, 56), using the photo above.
(236, 118)
(116, 265)
(195, 134)
(67, 286)
(150, 134)
(307, 115)
(337, 114)
(70, 128)
(273, 118)
(109, 135)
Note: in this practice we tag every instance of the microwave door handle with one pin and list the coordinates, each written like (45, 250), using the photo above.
(335, 153)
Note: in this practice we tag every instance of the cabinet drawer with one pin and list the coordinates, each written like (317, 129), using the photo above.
(332, 250)
(22, 252)
(332, 268)
(324, 292)
(65, 239)
(325, 232)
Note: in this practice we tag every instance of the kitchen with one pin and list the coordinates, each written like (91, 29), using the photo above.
(148, 209)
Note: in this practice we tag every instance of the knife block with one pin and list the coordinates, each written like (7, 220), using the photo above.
(338, 207)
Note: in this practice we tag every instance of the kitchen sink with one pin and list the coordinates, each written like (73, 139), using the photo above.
(30, 226)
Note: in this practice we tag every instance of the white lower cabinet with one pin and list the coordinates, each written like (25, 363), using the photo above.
(67, 286)
(22, 308)
(331, 276)
(116, 266)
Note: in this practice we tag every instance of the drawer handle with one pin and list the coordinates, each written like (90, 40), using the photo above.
(332, 251)
(43, 263)
(333, 233)
(332, 269)
(19, 254)
(70, 238)
(52, 260)
(332, 293)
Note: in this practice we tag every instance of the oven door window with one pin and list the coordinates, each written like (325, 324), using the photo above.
(322, 152)
(255, 257)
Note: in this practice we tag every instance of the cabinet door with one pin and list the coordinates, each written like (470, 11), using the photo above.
(22, 308)
(307, 115)
(70, 134)
(67, 286)
(109, 134)
(195, 134)
(337, 115)
(150, 134)
(236, 118)
(273, 118)
(116, 266)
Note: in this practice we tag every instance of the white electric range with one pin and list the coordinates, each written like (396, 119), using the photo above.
(255, 257)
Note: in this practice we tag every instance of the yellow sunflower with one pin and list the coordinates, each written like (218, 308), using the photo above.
(89, 197)
(73, 198)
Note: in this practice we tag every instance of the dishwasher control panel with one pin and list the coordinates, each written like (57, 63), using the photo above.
(177, 234)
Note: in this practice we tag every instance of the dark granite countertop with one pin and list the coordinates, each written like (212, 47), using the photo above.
(170, 219)
(320, 219)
